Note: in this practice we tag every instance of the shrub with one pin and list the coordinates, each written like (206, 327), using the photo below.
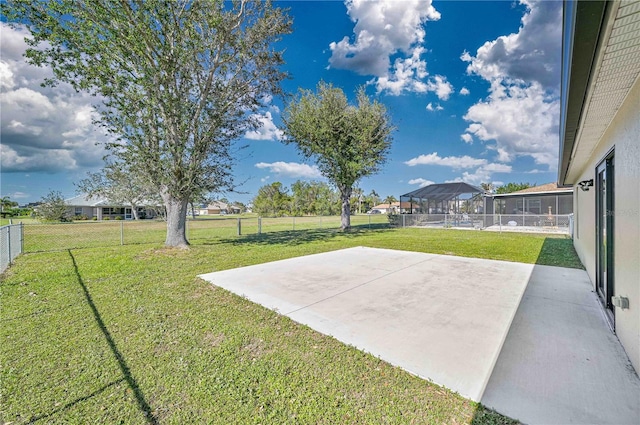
(394, 219)
(119, 217)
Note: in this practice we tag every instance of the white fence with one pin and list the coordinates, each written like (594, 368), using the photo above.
(11, 244)
(543, 223)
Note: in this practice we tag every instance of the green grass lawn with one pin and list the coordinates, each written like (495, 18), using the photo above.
(128, 334)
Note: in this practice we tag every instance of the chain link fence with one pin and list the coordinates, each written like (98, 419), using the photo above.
(89, 234)
(11, 244)
(50, 237)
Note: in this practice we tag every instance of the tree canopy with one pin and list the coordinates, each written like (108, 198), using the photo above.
(272, 200)
(513, 187)
(179, 81)
(347, 142)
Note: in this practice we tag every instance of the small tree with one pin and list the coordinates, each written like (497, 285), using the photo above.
(53, 208)
(6, 204)
(347, 142)
(119, 184)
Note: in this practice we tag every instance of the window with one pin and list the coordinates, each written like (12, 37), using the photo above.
(77, 211)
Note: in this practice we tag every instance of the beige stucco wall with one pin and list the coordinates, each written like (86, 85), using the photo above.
(624, 135)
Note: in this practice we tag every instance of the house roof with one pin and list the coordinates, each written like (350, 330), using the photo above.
(549, 188)
(384, 206)
(217, 205)
(98, 201)
(87, 201)
(443, 191)
(601, 63)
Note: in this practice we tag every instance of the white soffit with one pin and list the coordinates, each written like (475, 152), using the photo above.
(617, 69)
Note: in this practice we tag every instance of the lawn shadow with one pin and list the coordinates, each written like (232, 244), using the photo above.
(300, 237)
(126, 372)
(76, 401)
(559, 252)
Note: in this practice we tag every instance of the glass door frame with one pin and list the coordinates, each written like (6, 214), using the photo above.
(605, 214)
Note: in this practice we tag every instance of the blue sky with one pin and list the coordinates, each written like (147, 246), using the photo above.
(472, 88)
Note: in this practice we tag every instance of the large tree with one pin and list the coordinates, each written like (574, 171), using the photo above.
(180, 80)
(121, 185)
(346, 141)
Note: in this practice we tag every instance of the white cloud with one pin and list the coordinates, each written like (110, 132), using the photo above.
(291, 169)
(520, 116)
(18, 195)
(42, 128)
(482, 174)
(467, 138)
(520, 121)
(455, 162)
(383, 29)
(432, 108)
(441, 87)
(264, 179)
(483, 169)
(267, 130)
(420, 181)
(533, 54)
(464, 91)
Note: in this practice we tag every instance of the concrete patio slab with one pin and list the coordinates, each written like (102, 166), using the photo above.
(462, 323)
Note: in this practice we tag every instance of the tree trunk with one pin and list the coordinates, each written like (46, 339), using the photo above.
(176, 221)
(134, 211)
(345, 215)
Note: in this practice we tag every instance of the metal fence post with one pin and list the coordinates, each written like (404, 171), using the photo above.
(9, 243)
(21, 237)
(259, 225)
(122, 233)
(294, 222)
(239, 227)
(369, 221)
(404, 221)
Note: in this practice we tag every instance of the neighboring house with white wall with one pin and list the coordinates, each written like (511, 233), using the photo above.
(600, 153)
(103, 209)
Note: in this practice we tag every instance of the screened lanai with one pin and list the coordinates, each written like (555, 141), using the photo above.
(443, 198)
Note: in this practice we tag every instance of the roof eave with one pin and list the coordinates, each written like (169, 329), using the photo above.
(582, 24)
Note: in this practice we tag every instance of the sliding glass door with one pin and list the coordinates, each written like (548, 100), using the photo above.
(604, 234)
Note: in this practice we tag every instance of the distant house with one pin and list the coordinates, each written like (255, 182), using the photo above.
(218, 208)
(545, 199)
(600, 154)
(384, 208)
(101, 208)
(396, 208)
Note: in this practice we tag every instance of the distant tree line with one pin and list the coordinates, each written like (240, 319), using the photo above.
(308, 198)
